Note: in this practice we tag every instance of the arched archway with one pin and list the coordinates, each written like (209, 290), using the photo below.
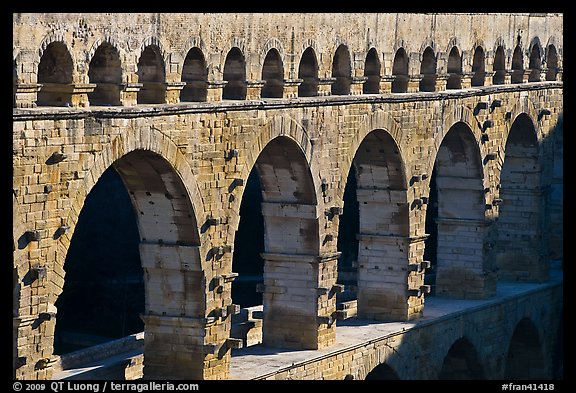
(151, 75)
(308, 72)
(105, 71)
(382, 372)
(167, 241)
(457, 179)
(55, 74)
(525, 358)
(519, 222)
(383, 244)
(551, 63)
(372, 72)
(461, 362)
(195, 75)
(478, 67)
(342, 71)
(517, 65)
(454, 69)
(499, 67)
(535, 64)
(273, 74)
(290, 262)
(428, 70)
(235, 75)
(400, 72)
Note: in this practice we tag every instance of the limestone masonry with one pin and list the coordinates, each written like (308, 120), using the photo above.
(184, 106)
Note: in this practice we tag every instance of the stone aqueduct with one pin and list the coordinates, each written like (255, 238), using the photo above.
(184, 106)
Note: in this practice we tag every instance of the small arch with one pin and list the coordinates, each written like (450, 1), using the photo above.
(428, 70)
(461, 362)
(235, 75)
(342, 71)
(382, 372)
(499, 67)
(478, 67)
(195, 75)
(454, 69)
(150, 73)
(308, 72)
(525, 359)
(372, 73)
(54, 74)
(535, 64)
(517, 65)
(400, 72)
(105, 70)
(273, 75)
(551, 63)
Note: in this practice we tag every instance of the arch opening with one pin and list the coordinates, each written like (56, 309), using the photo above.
(372, 73)
(55, 76)
(308, 72)
(456, 218)
(151, 75)
(382, 372)
(461, 362)
(551, 63)
(517, 66)
(273, 75)
(428, 70)
(400, 72)
(106, 72)
(342, 71)
(525, 358)
(235, 75)
(499, 67)
(478, 67)
(535, 64)
(454, 69)
(195, 75)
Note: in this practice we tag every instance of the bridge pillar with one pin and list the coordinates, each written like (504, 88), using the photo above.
(129, 93)
(25, 95)
(488, 78)
(386, 83)
(357, 84)
(390, 277)
(290, 89)
(214, 90)
(299, 300)
(172, 94)
(520, 252)
(414, 83)
(466, 80)
(180, 342)
(462, 269)
(441, 82)
(325, 86)
(254, 89)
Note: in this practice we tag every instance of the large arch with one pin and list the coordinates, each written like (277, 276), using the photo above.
(457, 181)
(382, 246)
(461, 362)
(519, 220)
(167, 206)
(525, 358)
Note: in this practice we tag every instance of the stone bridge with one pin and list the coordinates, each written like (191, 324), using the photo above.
(449, 127)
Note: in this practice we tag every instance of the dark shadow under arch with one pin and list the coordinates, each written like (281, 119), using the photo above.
(461, 362)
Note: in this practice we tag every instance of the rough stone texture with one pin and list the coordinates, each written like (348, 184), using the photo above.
(184, 163)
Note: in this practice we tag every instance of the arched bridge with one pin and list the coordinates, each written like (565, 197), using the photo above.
(390, 166)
